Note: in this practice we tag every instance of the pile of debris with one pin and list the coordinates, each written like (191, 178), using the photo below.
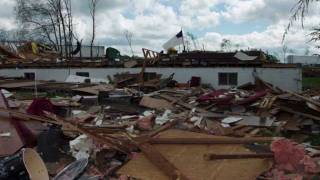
(26, 52)
(166, 131)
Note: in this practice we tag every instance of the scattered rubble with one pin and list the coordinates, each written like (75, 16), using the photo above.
(156, 130)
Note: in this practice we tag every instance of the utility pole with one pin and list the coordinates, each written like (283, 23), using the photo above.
(184, 46)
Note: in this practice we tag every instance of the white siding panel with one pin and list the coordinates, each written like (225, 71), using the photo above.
(285, 78)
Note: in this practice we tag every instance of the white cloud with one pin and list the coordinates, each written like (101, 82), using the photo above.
(152, 22)
(268, 40)
(7, 18)
(199, 14)
(239, 11)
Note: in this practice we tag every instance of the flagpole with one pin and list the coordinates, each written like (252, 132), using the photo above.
(184, 47)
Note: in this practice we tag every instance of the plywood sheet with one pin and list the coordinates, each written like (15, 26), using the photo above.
(154, 103)
(11, 144)
(94, 89)
(189, 159)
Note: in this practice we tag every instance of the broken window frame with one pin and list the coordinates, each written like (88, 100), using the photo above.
(83, 74)
(30, 75)
(228, 79)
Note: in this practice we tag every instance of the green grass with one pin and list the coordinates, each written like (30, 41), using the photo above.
(22, 95)
(310, 82)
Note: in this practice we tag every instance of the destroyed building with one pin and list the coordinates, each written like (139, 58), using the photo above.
(218, 69)
(193, 115)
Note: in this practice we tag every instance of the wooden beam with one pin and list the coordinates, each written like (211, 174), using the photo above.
(304, 98)
(161, 162)
(25, 116)
(114, 143)
(237, 156)
(212, 140)
(298, 113)
(185, 105)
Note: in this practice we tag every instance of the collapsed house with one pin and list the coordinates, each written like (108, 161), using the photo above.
(217, 69)
(81, 130)
(194, 115)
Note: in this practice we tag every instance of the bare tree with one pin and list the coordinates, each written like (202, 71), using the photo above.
(63, 23)
(47, 21)
(129, 36)
(299, 10)
(193, 39)
(237, 46)
(4, 35)
(307, 51)
(284, 51)
(35, 17)
(315, 36)
(225, 45)
(68, 7)
(93, 9)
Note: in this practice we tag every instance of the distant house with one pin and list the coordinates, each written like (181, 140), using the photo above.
(304, 60)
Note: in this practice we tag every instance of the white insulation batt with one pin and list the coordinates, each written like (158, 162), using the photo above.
(81, 147)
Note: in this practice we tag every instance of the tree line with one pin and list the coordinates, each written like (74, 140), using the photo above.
(51, 22)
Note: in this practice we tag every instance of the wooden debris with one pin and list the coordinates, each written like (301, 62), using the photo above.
(256, 121)
(299, 113)
(185, 105)
(153, 103)
(130, 64)
(212, 140)
(161, 162)
(24, 116)
(305, 98)
(94, 89)
(108, 140)
(188, 159)
(238, 156)
(216, 128)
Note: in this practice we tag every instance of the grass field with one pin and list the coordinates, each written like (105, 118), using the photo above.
(310, 82)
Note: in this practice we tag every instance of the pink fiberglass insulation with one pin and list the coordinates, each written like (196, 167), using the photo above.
(292, 157)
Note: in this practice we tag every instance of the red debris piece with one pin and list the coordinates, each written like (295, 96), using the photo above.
(281, 175)
(38, 106)
(224, 97)
(146, 123)
(290, 156)
(253, 98)
(220, 96)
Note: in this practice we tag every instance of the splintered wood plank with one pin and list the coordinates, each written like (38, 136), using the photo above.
(189, 160)
(161, 162)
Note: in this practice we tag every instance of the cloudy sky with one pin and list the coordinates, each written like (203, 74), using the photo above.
(247, 23)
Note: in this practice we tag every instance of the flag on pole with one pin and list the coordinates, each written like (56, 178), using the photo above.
(174, 41)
